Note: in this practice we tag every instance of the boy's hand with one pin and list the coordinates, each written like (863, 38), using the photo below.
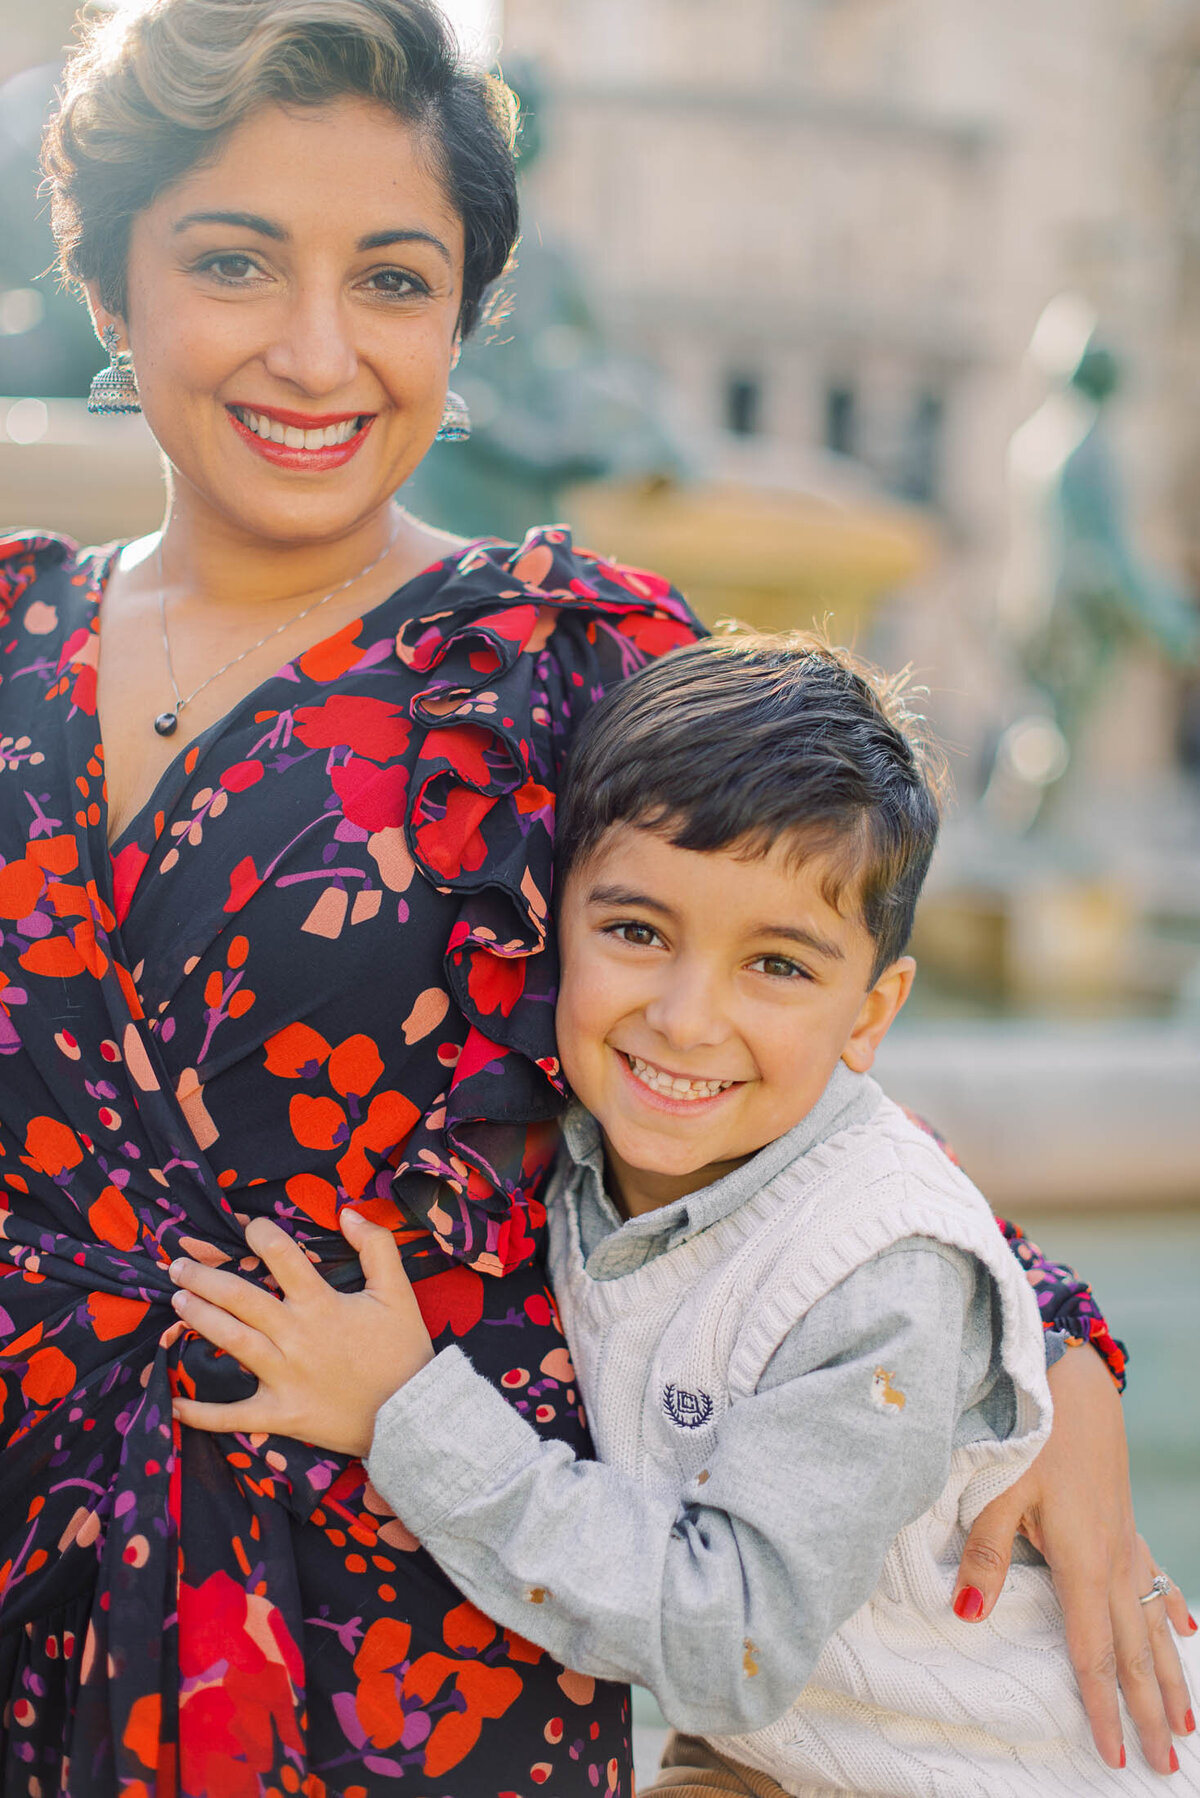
(1075, 1506)
(325, 1360)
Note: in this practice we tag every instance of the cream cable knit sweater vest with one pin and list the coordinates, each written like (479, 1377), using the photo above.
(905, 1698)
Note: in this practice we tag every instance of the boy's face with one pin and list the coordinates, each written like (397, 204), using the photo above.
(706, 1000)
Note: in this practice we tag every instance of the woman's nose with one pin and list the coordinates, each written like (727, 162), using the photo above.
(313, 349)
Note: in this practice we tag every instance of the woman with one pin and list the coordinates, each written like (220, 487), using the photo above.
(275, 833)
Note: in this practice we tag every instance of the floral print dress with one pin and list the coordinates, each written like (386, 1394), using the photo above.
(314, 971)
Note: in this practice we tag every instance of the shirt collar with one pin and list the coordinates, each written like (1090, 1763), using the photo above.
(613, 1245)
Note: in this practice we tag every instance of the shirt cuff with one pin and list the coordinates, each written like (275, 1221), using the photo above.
(442, 1437)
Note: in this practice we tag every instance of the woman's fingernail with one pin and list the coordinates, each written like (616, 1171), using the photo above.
(176, 1268)
(968, 1604)
(1173, 1761)
(179, 1300)
(1192, 1621)
(1189, 1722)
(1122, 1761)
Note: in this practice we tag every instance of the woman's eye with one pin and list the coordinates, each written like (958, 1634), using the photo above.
(232, 267)
(396, 283)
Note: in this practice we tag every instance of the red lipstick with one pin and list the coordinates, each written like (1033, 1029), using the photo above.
(304, 421)
(313, 461)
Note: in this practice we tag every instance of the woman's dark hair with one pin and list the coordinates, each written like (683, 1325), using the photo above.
(156, 87)
(746, 740)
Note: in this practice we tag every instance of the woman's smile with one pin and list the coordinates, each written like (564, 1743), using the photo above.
(291, 440)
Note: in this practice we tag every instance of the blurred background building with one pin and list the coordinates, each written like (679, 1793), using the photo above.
(884, 312)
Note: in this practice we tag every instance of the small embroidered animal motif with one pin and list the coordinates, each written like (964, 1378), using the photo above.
(883, 1393)
(537, 1594)
(688, 1409)
(749, 1664)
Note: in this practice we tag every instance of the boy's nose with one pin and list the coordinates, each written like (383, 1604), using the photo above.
(686, 1012)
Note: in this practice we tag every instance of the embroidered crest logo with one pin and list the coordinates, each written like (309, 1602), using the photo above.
(688, 1409)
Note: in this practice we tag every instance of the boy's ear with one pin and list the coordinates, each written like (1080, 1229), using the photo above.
(879, 1009)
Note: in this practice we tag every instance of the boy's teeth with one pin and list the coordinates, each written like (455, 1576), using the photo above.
(674, 1086)
(271, 430)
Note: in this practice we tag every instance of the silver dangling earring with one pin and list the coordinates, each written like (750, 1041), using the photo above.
(115, 388)
(456, 420)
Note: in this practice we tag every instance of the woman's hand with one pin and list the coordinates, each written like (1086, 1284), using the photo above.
(1075, 1506)
(325, 1360)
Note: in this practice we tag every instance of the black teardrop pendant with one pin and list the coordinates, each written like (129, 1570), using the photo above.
(165, 724)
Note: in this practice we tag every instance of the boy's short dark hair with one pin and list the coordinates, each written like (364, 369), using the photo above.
(744, 739)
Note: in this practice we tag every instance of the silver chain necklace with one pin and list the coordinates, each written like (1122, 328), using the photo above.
(167, 722)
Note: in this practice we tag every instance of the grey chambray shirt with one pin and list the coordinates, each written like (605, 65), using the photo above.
(803, 1498)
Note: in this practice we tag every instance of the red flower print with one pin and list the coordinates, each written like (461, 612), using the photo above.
(319, 1122)
(496, 982)
(241, 775)
(373, 798)
(483, 1693)
(51, 1147)
(454, 844)
(236, 1643)
(296, 1052)
(244, 882)
(367, 726)
(128, 867)
(21, 886)
(451, 1299)
(463, 746)
(333, 656)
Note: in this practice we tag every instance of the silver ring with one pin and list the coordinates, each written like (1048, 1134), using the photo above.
(1159, 1588)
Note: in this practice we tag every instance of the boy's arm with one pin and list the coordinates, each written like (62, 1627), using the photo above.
(720, 1597)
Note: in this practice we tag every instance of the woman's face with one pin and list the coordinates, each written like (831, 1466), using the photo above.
(292, 315)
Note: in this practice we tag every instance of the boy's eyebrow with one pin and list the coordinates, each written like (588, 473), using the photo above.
(809, 939)
(264, 227)
(610, 895)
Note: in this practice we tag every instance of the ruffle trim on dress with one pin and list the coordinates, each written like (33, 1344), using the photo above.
(480, 822)
(20, 552)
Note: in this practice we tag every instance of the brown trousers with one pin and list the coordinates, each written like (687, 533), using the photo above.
(691, 1769)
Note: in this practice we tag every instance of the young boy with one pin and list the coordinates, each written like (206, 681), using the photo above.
(807, 1355)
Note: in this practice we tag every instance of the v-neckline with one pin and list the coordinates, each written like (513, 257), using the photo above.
(106, 562)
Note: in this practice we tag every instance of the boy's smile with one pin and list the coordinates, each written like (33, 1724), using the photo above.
(706, 1000)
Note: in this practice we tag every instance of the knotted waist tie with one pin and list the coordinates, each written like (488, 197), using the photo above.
(89, 1444)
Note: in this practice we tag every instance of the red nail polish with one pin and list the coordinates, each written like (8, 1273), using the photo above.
(1122, 1754)
(1189, 1722)
(1192, 1621)
(968, 1604)
(1174, 1762)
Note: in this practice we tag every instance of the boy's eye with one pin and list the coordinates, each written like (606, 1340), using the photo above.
(642, 936)
(780, 967)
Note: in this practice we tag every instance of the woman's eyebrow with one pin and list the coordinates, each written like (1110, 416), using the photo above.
(379, 240)
(248, 221)
(264, 227)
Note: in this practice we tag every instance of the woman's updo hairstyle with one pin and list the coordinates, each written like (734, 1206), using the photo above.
(154, 88)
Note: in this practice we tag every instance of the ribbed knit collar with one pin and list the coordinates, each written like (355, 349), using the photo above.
(613, 1245)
